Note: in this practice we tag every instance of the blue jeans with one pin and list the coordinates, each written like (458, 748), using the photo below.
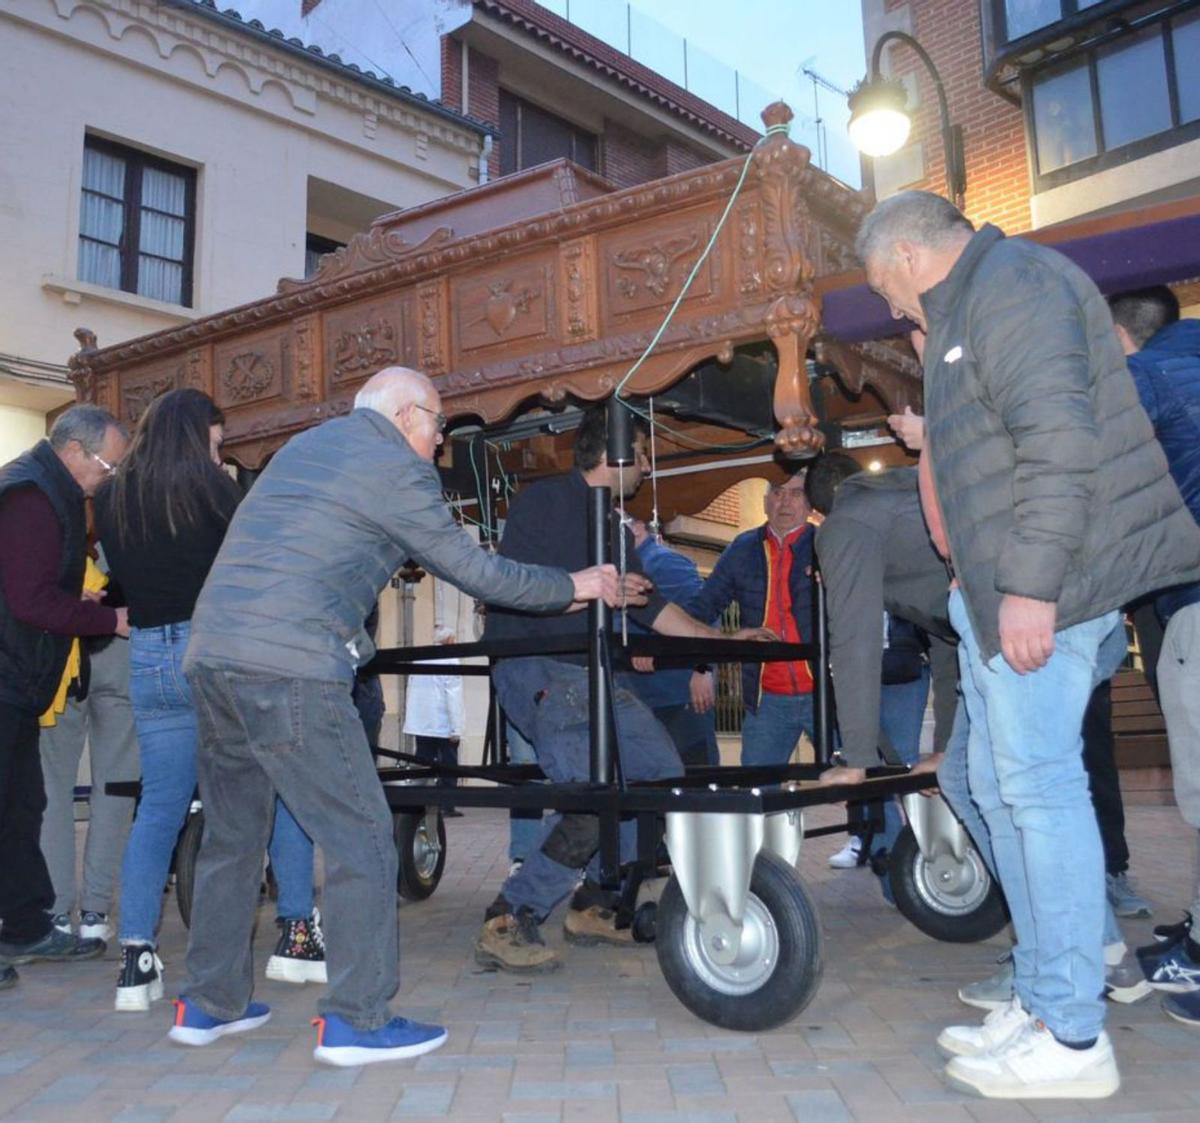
(955, 789)
(524, 825)
(769, 735)
(548, 701)
(166, 731)
(291, 852)
(1025, 772)
(901, 715)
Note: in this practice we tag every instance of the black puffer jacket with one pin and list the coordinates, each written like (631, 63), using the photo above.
(333, 516)
(1050, 480)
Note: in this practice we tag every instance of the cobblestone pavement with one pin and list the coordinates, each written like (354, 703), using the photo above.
(602, 1040)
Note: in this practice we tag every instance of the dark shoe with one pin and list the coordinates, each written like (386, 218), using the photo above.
(8, 977)
(55, 945)
(1173, 933)
(513, 943)
(450, 813)
(95, 926)
(1124, 898)
(595, 925)
(1184, 1007)
(1124, 982)
(299, 956)
(1170, 967)
(141, 978)
(194, 1027)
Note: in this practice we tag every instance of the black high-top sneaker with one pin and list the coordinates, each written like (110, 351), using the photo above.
(141, 978)
(299, 956)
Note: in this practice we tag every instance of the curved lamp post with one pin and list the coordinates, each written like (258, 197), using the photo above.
(880, 121)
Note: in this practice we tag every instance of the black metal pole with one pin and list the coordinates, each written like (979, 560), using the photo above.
(599, 708)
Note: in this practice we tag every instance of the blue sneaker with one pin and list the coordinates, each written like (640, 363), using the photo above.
(1169, 967)
(194, 1027)
(1184, 1007)
(339, 1043)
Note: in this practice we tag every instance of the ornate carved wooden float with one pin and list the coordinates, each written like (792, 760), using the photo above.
(536, 287)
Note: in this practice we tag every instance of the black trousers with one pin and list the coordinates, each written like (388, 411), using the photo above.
(1103, 780)
(439, 750)
(26, 894)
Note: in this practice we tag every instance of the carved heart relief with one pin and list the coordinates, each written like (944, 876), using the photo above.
(501, 310)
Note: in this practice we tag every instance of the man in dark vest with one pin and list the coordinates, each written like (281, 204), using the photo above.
(43, 546)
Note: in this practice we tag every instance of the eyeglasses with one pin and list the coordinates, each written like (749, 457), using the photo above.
(109, 468)
(438, 417)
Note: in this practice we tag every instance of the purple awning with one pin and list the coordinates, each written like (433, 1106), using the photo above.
(1155, 253)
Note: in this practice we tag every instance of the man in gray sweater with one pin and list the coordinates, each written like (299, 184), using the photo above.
(276, 637)
(1045, 487)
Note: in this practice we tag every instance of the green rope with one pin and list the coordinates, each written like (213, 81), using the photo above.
(687, 284)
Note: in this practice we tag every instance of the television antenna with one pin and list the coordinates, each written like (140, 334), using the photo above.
(820, 82)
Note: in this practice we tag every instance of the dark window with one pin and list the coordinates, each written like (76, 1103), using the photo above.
(136, 222)
(1024, 17)
(530, 135)
(1116, 102)
(315, 248)
(1063, 118)
(1185, 38)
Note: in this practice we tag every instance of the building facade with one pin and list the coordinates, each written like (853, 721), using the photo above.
(185, 161)
(1069, 108)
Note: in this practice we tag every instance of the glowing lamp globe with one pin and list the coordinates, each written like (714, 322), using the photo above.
(879, 120)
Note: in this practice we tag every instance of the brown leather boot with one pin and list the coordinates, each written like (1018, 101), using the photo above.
(595, 925)
(513, 943)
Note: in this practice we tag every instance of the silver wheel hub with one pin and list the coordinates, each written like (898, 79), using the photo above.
(753, 963)
(949, 886)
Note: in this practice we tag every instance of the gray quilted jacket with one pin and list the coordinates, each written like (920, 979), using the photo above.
(333, 516)
(1051, 483)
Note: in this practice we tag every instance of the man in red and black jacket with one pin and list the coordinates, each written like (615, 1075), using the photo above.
(43, 546)
(768, 572)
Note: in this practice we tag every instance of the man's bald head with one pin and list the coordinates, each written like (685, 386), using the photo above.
(409, 400)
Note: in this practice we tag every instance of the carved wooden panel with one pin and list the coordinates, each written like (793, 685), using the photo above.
(249, 370)
(138, 387)
(503, 305)
(644, 268)
(433, 327)
(749, 251)
(577, 283)
(305, 343)
(197, 373)
(361, 339)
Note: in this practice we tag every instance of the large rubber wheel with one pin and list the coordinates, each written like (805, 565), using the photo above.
(422, 858)
(778, 966)
(187, 850)
(957, 902)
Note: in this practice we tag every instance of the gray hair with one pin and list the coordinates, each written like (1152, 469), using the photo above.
(914, 216)
(85, 424)
(391, 389)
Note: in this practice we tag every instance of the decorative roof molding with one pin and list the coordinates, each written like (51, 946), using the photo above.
(264, 59)
(558, 33)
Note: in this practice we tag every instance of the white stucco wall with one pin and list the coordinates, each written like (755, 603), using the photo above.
(19, 429)
(255, 122)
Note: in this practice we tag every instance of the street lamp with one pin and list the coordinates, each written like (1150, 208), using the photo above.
(880, 121)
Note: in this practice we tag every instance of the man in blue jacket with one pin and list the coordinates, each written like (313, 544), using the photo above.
(1163, 353)
(768, 572)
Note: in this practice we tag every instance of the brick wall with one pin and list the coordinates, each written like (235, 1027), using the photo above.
(726, 509)
(483, 90)
(993, 129)
(681, 158)
(627, 158)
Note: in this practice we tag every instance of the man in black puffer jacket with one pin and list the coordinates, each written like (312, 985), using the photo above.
(1045, 487)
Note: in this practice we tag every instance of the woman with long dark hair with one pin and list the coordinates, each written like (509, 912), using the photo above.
(161, 519)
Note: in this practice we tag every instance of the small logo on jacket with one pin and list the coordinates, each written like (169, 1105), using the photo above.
(953, 355)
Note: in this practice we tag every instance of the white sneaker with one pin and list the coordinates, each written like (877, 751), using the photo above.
(1034, 1066)
(94, 926)
(847, 857)
(998, 1029)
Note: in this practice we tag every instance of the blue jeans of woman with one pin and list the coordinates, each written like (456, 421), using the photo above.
(166, 730)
